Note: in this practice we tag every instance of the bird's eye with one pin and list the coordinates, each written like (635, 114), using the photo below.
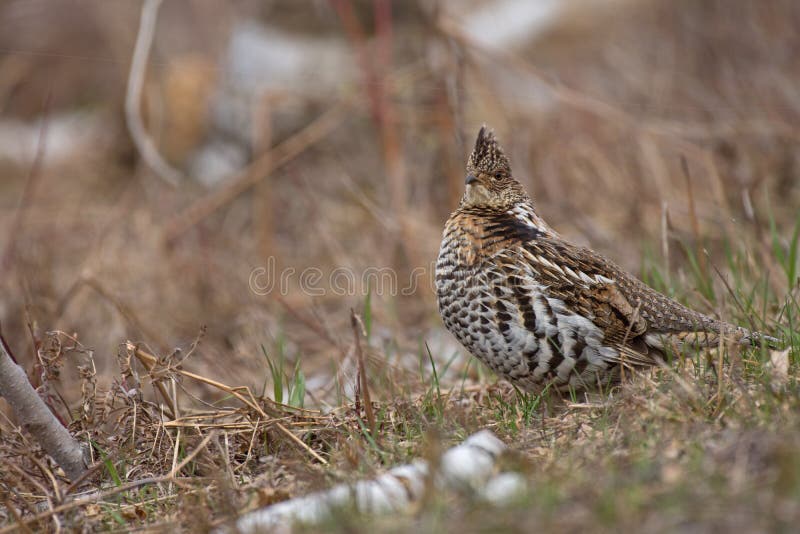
(498, 175)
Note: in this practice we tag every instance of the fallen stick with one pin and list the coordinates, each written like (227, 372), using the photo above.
(35, 417)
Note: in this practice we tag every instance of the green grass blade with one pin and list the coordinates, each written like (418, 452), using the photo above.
(298, 393)
(367, 318)
(435, 374)
(276, 372)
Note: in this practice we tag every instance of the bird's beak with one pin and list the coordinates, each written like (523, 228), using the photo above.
(470, 179)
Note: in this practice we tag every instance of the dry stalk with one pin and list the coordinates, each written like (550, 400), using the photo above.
(197, 450)
(133, 97)
(158, 382)
(90, 499)
(362, 383)
(374, 70)
(248, 400)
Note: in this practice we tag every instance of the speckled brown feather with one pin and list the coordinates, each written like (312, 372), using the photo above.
(541, 310)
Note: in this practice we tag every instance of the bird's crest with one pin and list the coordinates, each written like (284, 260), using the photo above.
(487, 156)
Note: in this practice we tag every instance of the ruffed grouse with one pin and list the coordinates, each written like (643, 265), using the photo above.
(540, 310)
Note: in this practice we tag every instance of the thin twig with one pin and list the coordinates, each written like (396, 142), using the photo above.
(197, 450)
(90, 471)
(92, 498)
(250, 402)
(20, 523)
(133, 97)
(363, 383)
(48, 474)
(27, 476)
(150, 365)
(375, 81)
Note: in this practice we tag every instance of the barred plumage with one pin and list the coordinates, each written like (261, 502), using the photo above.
(540, 310)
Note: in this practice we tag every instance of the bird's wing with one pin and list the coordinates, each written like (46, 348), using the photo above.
(588, 284)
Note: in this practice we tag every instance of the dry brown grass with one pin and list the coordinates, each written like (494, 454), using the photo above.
(597, 114)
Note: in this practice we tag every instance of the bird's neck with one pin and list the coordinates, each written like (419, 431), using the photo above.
(520, 215)
(483, 231)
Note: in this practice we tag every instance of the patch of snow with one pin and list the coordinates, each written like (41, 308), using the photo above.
(504, 23)
(65, 136)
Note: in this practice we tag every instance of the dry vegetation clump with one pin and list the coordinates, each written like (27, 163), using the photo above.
(663, 133)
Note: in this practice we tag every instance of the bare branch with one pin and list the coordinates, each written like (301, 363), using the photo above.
(133, 98)
(37, 418)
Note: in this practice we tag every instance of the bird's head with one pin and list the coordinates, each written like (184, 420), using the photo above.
(489, 181)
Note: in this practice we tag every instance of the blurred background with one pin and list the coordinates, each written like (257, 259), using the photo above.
(332, 135)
